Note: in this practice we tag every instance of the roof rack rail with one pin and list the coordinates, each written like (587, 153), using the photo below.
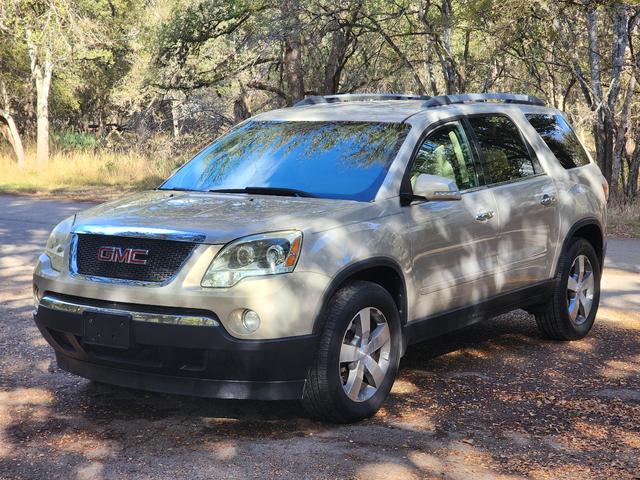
(428, 101)
(358, 97)
(483, 97)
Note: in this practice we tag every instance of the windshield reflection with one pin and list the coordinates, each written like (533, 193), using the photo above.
(327, 159)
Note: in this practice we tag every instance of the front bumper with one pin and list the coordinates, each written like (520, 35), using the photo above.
(288, 304)
(182, 359)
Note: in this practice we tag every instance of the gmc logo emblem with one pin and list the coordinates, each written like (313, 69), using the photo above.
(123, 255)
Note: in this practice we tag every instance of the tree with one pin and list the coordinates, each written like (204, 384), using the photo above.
(51, 30)
(181, 66)
(8, 126)
(13, 72)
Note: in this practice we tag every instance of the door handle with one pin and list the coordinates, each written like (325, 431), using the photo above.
(547, 200)
(484, 216)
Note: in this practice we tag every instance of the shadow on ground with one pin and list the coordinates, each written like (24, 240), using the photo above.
(494, 401)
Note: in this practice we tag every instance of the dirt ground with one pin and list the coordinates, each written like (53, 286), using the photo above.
(492, 401)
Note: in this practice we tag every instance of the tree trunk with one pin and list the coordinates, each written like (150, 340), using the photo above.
(489, 79)
(10, 132)
(43, 84)
(8, 127)
(621, 137)
(448, 68)
(431, 78)
(293, 70)
(634, 169)
(619, 47)
(175, 114)
(462, 70)
(42, 73)
(598, 106)
(428, 48)
(333, 66)
(242, 107)
(293, 75)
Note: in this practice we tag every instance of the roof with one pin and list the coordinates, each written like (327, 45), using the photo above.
(358, 111)
(399, 107)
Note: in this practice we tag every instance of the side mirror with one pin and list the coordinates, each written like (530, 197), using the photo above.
(433, 187)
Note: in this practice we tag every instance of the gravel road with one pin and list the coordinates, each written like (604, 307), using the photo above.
(492, 401)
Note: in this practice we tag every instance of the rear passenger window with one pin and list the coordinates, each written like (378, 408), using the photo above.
(504, 154)
(560, 138)
(446, 153)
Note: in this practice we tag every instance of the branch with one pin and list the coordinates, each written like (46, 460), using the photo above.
(257, 85)
(398, 52)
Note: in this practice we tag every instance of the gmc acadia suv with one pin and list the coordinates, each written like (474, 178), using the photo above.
(299, 254)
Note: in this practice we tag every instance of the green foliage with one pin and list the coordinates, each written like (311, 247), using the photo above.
(191, 68)
(76, 140)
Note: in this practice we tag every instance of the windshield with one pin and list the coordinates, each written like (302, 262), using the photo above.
(346, 160)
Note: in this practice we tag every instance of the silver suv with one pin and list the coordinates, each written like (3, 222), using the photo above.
(298, 255)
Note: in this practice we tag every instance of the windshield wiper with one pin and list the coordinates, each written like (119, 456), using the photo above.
(277, 191)
(178, 189)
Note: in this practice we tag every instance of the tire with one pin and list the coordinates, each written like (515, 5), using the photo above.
(326, 395)
(555, 320)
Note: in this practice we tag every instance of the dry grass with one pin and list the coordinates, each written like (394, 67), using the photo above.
(102, 175)
(624, 220)
(83, 172)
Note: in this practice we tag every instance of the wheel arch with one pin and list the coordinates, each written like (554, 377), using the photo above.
(589, 229)
(383, 271)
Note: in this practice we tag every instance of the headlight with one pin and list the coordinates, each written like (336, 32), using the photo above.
(57, 243)
(253, 256)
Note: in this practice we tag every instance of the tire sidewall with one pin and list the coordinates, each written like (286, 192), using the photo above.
(368, 296)
(579, 247)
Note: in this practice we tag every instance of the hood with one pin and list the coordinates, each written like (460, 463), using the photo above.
(218, 218)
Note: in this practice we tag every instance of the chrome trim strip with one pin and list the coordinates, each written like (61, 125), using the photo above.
(517, 180)
(142, 232)
(166, 319)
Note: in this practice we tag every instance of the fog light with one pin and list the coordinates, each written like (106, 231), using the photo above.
(250, 320)
(36, 297)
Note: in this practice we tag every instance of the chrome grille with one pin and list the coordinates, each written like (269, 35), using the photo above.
(163, 261)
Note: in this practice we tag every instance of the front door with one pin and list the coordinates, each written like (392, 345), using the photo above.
(454, 243)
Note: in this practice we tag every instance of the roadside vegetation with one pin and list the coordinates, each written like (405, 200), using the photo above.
(115, 93)
(624, 220)
(90, 172)
(80, 169)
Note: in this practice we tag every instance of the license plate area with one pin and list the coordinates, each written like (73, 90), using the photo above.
(106, 329)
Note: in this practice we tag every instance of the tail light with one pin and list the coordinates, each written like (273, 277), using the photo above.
(605, 188)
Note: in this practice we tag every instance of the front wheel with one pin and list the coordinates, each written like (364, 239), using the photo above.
(576, 294)
(358, 356)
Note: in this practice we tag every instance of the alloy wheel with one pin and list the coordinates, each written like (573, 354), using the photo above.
(365, 354)
(580, 289)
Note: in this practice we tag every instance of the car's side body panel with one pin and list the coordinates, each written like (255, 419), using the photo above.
(529, 230)
(454, 256)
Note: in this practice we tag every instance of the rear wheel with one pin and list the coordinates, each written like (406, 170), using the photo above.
(576, 294)
(358, 356)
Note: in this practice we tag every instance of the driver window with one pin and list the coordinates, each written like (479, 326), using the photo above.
(446, 153)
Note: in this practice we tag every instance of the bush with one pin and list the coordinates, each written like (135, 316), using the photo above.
(75, 140)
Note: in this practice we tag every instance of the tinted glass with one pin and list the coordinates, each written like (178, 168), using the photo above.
(504, 154)
(346, 160)
(446, 153)
(560, 138)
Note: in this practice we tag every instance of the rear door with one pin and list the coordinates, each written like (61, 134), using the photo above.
(526, 201)
(454, 243)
